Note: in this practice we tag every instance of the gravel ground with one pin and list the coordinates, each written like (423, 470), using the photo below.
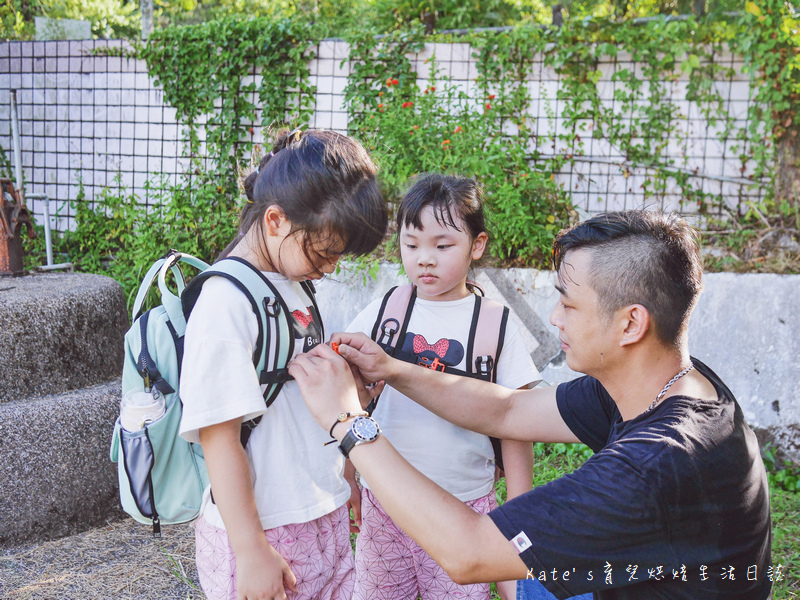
(118, 561)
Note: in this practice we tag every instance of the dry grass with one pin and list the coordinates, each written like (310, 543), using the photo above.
(118, 561)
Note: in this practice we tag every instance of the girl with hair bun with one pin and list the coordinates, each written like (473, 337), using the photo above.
(277, 525)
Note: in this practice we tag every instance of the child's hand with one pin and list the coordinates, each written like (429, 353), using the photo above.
(263, 574)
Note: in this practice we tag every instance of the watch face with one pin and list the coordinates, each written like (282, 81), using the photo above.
(365, 429)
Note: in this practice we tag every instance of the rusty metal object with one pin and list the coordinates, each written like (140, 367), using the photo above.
(12, 217)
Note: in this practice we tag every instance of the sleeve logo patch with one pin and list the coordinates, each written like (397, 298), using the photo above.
(521, 542)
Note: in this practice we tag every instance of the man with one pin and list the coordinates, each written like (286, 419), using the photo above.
(674, 503)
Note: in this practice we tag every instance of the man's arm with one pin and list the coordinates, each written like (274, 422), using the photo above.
(526, 415)
(468, 546)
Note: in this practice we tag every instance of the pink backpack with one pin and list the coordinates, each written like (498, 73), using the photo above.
(484, 344)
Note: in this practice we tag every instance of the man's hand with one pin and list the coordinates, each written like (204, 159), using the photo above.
(326, 383)
(371, 360)
(365, 392)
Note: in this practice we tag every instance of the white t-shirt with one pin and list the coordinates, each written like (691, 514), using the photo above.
(296, 479)
(460, 461)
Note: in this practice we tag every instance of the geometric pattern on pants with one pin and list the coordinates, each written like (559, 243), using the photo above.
(318, 553)
(392, 566)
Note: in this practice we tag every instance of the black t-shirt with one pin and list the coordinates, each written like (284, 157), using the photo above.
(673, 505)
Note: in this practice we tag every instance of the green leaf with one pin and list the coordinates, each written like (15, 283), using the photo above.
(752, 8)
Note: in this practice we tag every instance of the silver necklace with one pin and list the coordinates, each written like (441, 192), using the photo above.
(669, 385)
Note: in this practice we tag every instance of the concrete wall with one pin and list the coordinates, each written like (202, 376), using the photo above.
(93, 118)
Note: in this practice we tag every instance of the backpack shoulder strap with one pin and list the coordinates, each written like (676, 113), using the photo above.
(486, 336)
(275, 341)
(393, 316)
(392, 322)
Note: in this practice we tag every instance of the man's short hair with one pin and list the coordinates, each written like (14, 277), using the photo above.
(640, 257)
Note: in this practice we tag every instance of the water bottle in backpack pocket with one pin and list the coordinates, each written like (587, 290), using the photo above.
(162, 477)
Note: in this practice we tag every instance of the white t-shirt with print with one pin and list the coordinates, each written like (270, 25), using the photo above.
(460, 461)
(296, 478)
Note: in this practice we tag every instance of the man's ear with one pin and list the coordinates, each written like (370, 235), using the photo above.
(275, 221)
(635, 322)
(479, 245)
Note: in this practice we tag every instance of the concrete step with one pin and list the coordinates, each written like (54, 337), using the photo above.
(55, 475)
(59, 332)
(61, 349)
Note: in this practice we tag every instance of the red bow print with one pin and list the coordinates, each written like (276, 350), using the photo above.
(440, 347)
(303, 318)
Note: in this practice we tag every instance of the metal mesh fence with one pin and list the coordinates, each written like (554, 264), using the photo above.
(90, 122)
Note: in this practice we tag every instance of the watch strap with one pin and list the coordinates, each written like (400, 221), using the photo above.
(348, 443)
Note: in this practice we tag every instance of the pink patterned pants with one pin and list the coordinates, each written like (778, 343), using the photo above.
(391, 566)
(318, 552)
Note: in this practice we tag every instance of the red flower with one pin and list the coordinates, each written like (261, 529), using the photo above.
(380, 105)
(380, 94)
(457, 129)
(250, 130)
(491, 97)
(416, 126)
(433, 89)
(408, 104)
(488, 106)
(389, 82)
(445, 142)
(395, 82)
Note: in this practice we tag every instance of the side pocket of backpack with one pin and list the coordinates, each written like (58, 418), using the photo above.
(134, 473)
(178, 476)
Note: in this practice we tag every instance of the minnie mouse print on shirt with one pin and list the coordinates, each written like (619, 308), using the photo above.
(437, 355)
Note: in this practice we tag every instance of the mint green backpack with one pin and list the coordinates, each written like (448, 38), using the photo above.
(161, 476)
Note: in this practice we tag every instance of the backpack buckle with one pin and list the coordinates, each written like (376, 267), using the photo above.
(484, 365)
(388, 333)
(280, 376)
(271, 306)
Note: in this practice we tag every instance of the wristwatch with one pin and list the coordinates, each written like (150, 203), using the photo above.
(362, 431)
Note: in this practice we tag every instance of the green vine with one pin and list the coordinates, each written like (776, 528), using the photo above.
(643, 123)
(413, 129)
(769, 39)
(133, 52)
(6, 168)
(224, 78)
(208, 73)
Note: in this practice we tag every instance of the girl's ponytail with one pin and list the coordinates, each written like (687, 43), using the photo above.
(284, 138)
